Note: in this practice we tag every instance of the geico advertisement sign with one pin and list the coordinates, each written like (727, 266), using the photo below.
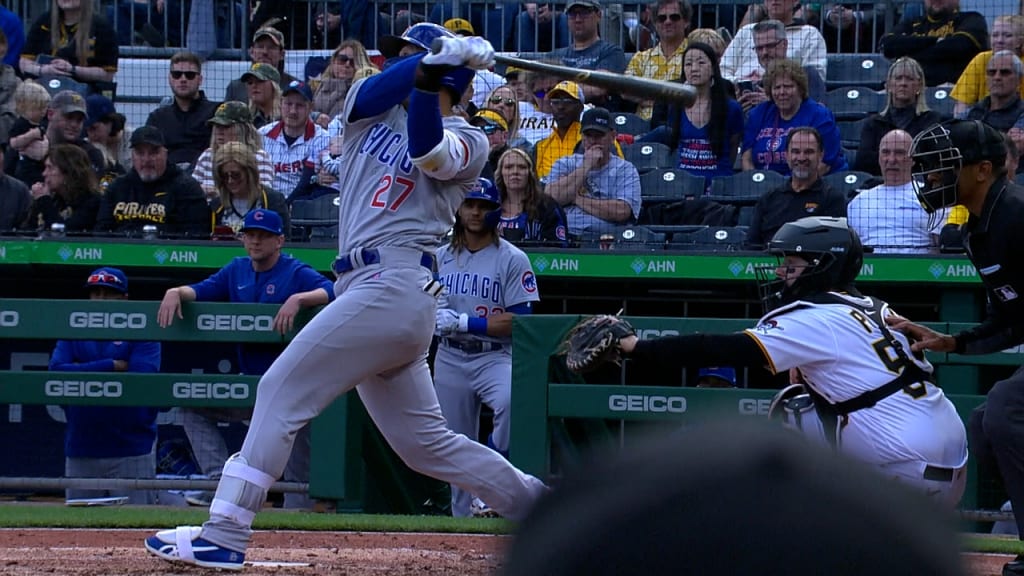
(754, 406)
(83, 389)
(9, 318)
(120, 320)
(644, 403)
(210, 390)
(234, 323)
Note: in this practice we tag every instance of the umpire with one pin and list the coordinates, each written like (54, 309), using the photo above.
(963, 162)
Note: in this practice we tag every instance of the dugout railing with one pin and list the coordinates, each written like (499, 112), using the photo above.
(553, 410)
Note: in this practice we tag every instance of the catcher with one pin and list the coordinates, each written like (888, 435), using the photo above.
(870, 396)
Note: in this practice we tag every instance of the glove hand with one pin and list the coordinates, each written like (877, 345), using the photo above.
(473, 52)
(446, 322)
(594, 341)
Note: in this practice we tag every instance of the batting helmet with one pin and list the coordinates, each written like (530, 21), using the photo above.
(485, 190)
(942, 150)
(422, 36)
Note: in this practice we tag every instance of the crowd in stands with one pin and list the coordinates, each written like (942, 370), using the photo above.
(598, 162)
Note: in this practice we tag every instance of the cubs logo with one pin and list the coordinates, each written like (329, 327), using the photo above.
(271, 289)
(529, 282)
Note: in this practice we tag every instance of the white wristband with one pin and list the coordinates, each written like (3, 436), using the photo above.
(463, 322)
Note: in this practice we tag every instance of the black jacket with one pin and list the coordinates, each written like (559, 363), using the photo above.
(174, 203)
(15, 200)
(77, 216)
(995, 245)
(783, 205)
(186, 133)
(963, 35)
(876, 126)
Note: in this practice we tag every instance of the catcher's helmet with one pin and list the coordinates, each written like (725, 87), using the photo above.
(942, 150)
(833, 252)
(422, 36)
(485, 190)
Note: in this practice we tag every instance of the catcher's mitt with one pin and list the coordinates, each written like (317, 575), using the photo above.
(594, 341)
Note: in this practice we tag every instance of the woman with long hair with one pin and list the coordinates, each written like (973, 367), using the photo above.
(527, 214)
(104, 128)
(707, 133)
(70, 41)
(232, 122)
(236, 176)
(263, 86)
(330, 87)
(68, 194)
(506, 102)
(906, 108)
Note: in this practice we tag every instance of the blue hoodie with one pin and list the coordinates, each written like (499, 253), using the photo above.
(766, 131)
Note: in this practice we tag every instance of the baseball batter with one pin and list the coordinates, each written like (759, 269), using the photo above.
(405, 172)
(886, 410)
(487, 282)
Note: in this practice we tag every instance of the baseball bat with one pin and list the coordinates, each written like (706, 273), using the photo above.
(635, 85)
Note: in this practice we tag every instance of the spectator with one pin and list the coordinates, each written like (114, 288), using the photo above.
(264, 276)
(263, 85)
(711, 38)
(155, 193)
(105, 129)
(539, 28)
(906, 109)
(69, 193)
(971, 87)
(1002, 109)
(716, 377)
(804, 44)
(515, 78)
(943, 40)
(267, 48)
(232, 122)
(665, 60)
(295, 143)
(108, 441)
(65, 117)
(27, 141)
(69, 41)
(600, 189)
(788, 107)
(502, 100)
(770, 45)
(14, 30)
(148, 20)
(183, 121)
(527, 213)
(588, 51)
(330, 87)
(494, 125)
(239, 190)
(15, 198)
(803, 194)
(327, 30)
(850, 28)
(889, 217)
(566, 103)
(9, 83)
(535, 119)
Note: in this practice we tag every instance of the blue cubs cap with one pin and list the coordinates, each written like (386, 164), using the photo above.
(484, 189)
(262, 219)
(724, 372)
(299, 88)
(108, 278)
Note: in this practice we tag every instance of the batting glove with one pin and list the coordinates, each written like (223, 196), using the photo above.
(447, 322)
(473, 52)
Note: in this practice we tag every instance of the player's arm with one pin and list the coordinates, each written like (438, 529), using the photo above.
(677, 352)
(450, 322)
(145, 357)
(439, 153)
(284, 321)
(170, 306)
(381, 92)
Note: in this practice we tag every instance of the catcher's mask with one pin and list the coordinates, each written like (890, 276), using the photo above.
(941, 151)
(833, 253)
(794, 408)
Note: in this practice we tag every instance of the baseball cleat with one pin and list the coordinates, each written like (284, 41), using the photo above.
(183, 544)
(479, 509)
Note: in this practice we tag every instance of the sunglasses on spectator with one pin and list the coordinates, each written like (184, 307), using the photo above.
(999, 72)
(344, 59)
(500, 100)
(190, 74)
(231, 176)
(103, 277)
(490, 129)
(562, 101)
(676, 17)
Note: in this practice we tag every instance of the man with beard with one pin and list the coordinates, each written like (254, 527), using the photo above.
(154, 193)
(65, 117)
(944, 40)
(183, 121)
(804, 194)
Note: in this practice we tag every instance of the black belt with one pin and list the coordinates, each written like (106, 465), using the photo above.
(938, 474)
(472, 346)
(371, 256)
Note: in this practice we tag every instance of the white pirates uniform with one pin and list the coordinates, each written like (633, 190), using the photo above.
(913, 435)
(291, 159)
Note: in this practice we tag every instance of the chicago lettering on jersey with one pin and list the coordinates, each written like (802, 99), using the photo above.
(476, 285)
(153, 212)
(387, 146)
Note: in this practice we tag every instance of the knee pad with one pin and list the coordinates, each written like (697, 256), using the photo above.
(241, 491)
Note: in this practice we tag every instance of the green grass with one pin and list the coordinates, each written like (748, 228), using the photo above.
(59, 516)
(992, 544)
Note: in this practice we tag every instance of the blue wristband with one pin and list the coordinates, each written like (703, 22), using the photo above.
(477, 326)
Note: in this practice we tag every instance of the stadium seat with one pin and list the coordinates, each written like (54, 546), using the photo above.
(666, 184)
(629, 123)
(848, 181)
(867, 70)
(849, 133)
(853, 102)
(746, 216)
(745, 187)
(633, 237)
(711, 238)
(308, 215)
(648, 156)
(938, 99)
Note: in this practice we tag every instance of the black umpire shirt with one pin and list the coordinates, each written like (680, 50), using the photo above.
(995, 244)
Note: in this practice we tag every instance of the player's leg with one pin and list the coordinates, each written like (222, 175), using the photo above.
(494, 385)
(1003, 426)
(453, 380)
(404, 407)
(141, 466)
(297, 470)
(83, 468)
(208, 446)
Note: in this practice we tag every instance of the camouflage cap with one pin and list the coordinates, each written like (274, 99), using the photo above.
(268, 32)
(262, 71)
(67, 102)
(230, 113)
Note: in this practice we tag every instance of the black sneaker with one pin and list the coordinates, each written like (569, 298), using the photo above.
(1015, 568)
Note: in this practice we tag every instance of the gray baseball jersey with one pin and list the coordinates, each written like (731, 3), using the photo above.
(392, 202)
